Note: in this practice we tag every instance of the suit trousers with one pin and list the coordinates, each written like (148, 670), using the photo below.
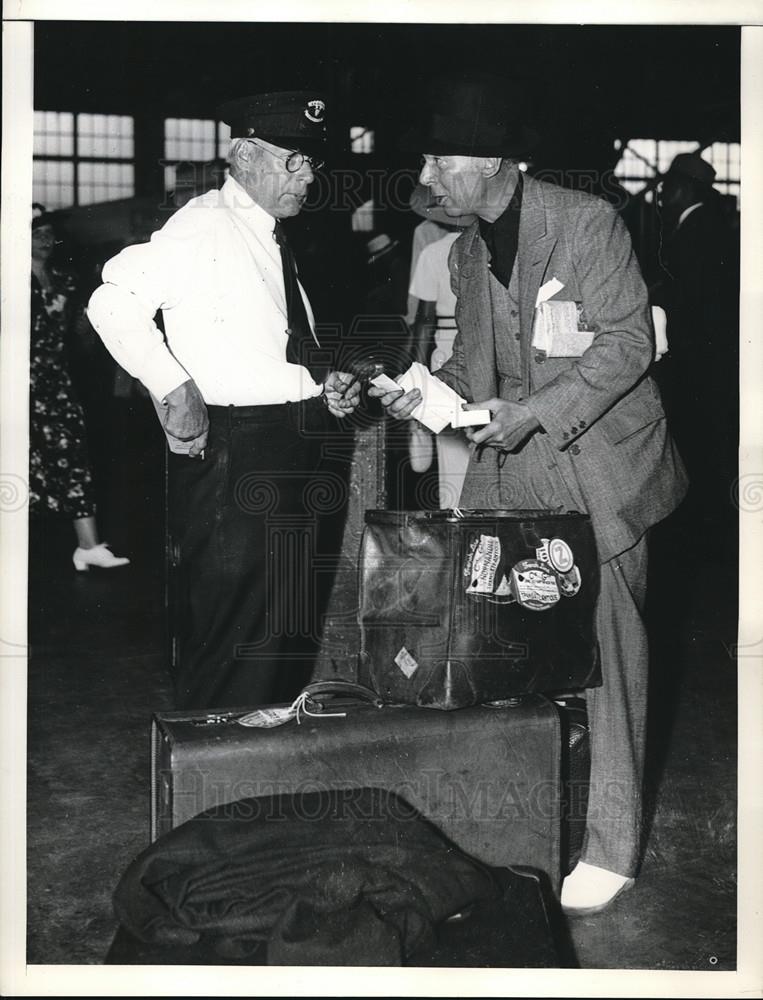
(541, 477)
(617, 716)
(243, 525)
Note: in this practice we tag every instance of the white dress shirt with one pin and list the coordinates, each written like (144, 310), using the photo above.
(214, 269)
(431, 283)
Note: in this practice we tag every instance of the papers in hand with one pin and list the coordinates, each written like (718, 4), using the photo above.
(440, 404)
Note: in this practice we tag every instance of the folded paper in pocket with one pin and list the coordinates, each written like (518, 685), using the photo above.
(556, 330)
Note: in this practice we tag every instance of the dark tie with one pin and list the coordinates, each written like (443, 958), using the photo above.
(298, 346)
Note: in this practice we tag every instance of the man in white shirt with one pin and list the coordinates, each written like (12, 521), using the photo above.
(246, 400)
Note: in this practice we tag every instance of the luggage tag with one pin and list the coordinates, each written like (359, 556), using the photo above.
(270, 717)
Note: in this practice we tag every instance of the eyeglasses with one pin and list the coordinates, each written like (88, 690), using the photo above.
(294, 161)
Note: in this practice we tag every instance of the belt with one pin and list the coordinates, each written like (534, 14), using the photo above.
(263, 411)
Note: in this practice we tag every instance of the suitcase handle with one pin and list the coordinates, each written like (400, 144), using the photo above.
(337, 688)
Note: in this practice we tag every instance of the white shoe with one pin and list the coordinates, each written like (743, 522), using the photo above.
(589, 889)
(98, 555)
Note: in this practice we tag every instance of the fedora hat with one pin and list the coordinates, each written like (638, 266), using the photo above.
(692, 165)
(482, 115)
(377, 246)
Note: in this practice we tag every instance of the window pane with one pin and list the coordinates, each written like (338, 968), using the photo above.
(361, 139)
(363, 218)
(645, 149)
(640, 157)
(53, 183)
(53, 133)
(724, 157)
(223, 139)
(105, 135)
(669, 149)
(105, 182)
(189, 139)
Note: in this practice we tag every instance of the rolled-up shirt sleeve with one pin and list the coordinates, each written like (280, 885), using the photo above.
(136, 283)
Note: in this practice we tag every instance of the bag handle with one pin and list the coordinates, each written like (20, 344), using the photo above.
(339, 688)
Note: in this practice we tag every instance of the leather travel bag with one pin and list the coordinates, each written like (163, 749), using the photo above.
(459, 607)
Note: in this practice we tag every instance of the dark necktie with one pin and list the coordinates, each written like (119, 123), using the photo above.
(301, 338)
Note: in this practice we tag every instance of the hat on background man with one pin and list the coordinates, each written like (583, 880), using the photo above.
(292, 119)
(379, 245)
(478, 116)
(692, 165)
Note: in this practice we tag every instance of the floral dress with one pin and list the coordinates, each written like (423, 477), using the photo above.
(60, 478)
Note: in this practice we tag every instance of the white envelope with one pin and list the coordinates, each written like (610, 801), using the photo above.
(471, 418)
(438, 401)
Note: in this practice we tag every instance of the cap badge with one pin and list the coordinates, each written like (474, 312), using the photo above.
(314, 111)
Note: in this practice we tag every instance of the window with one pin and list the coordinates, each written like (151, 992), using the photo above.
(361, 139)
(82, 158)
(223, 140)
(194, 143)
(53, 133)
(53, 183)
(643, 159)
(363, 218)
(191, 139)
(105, 136)
(726, 158)
(101, 181)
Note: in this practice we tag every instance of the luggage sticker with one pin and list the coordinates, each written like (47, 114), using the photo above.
(503, 594)
(482, 565)
(569, 583)
(560, 555)
(406, 663)
(534, 585)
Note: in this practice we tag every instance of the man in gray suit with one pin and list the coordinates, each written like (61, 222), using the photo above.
(577, 425)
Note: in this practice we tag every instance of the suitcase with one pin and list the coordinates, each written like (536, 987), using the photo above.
(460, 607)
(487, 776)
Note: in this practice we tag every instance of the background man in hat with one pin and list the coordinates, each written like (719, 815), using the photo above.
(244, 403)
(585, 433)
(699, 290)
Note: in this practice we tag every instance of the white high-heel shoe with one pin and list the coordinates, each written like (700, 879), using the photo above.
(98, 555)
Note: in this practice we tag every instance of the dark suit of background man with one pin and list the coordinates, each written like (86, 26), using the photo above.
(244, 408)
(699, 290)
(583, 433)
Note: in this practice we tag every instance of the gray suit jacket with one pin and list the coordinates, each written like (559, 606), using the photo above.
(601, 405)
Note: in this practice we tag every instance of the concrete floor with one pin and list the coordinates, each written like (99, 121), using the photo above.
(97, 673)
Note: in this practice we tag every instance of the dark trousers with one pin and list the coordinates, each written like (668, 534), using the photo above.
(243, 526)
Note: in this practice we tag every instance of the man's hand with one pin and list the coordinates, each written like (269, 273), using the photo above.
(511, 426)
(186, 417)
(397, 403)
(342, 392)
